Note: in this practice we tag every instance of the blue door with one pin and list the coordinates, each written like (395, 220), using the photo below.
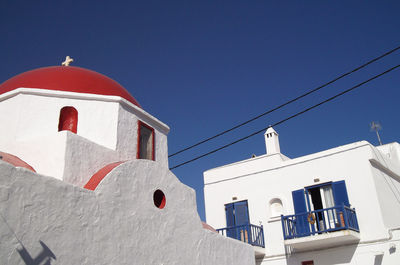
(237, 219)
(300, 209)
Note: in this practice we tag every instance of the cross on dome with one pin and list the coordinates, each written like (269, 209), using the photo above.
(67, 61)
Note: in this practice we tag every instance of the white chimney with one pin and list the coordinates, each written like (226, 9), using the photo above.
(272, 141)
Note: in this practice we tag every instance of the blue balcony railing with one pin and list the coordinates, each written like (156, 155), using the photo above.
(252, 234)
(319, 221)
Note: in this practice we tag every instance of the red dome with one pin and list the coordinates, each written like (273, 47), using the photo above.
(68, 78)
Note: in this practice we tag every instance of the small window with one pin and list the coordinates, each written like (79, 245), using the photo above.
(145, 142)
(309, 262)
(68, 119)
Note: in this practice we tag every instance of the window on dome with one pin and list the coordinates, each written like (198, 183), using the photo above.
(145, 142)
(68, 119)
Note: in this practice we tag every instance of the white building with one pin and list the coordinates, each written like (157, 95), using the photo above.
(339, 206)
(84, 179)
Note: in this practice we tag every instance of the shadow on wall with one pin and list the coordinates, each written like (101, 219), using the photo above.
(341, 255)
(378, 259)
(44, 257)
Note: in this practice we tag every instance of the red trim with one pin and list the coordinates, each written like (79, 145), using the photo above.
(15, 161)
(95, 180)
(309, 262)
(140, 123)
(68, 78)
(163, 202)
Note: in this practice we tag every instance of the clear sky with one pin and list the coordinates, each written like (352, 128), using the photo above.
(204, 66)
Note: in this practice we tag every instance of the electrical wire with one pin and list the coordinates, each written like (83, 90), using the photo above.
(286, 103)
(288, 118)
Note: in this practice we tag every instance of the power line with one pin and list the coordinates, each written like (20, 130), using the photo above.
(284, 104)
(288, 118)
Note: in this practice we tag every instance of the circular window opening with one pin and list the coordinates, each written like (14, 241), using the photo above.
(159, 199)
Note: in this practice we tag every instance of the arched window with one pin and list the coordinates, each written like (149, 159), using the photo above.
(276, 207)
(68, 119)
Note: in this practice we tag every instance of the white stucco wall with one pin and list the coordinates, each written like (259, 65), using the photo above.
(9, 117)
(38, 112)
(261, 179)
(385, 167)
(84, 158)
(45, 154)
(128, 132)
(107, 132)
(117, 223)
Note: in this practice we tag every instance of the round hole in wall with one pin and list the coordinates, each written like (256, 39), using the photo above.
(159, 199)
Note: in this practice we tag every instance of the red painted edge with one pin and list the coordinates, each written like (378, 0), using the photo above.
(15, 161)
(163, 202)
(95, 180)
(153, 155)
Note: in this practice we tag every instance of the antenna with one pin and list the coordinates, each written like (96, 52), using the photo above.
(375, 126)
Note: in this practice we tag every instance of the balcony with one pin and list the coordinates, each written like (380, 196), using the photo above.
(321, 228)
(248, 233)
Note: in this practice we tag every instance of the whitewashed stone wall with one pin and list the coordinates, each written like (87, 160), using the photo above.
(107, 132)
(117, 223)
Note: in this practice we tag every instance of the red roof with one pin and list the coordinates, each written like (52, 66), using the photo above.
(68, 78)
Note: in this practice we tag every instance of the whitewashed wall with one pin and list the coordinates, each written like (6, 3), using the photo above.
(117, 223)
(128, 130)
(386, 172)
(84, 158)
(107, 132)
(38, 115)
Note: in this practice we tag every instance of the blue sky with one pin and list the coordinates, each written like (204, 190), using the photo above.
(204, 66)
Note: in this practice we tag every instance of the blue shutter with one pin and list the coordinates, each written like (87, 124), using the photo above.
(241, 213)
(230, 220)
(299, 202)
(300, 209)
(340, 193)
(230, 216)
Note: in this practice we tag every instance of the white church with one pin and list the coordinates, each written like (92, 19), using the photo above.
(84, 179)
(338, 206)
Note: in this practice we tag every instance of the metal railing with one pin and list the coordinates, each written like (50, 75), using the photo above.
(251, 234)
(319, 221)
